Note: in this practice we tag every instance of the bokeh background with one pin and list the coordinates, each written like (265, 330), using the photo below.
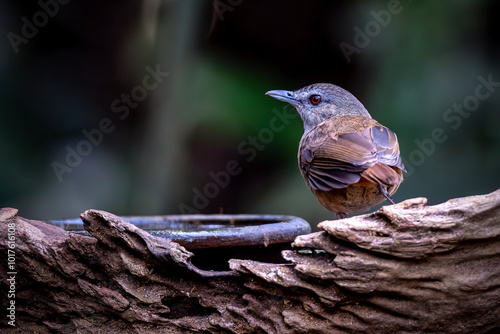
(210, 110)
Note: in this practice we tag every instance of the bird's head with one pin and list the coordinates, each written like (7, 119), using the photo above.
(318, 102)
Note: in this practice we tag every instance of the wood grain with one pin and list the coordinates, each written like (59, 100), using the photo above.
(406, 268)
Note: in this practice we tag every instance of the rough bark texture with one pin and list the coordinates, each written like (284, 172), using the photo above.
(407, 268)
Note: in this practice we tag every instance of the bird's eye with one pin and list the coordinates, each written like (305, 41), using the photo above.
(315, 99)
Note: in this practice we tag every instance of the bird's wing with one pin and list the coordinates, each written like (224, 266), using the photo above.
(387, 145)
(333, 162)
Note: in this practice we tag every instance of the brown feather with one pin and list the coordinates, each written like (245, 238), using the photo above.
(350, 157)
(383, 175)
(348, 160)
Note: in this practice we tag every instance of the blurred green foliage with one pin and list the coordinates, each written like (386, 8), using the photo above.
(221, 62)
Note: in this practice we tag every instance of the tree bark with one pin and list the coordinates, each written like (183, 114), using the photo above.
(406, 268)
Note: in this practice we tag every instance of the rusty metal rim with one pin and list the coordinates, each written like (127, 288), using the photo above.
(232, 231)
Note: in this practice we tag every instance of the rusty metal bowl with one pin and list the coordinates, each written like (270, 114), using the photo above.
(214, 239)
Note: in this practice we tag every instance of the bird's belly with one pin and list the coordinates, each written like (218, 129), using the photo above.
(357, 197)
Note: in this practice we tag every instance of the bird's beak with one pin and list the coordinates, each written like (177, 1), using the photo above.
(283, 95)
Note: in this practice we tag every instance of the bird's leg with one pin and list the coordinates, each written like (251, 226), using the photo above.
(384, 192)
(341, 215)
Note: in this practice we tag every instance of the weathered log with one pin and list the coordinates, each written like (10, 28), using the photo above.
(406, 268)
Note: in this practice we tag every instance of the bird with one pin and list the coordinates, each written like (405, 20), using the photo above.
(349, 161)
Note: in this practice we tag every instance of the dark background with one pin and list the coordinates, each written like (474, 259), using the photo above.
(221, 58)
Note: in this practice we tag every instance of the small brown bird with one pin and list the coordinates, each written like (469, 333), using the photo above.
(349, 160)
